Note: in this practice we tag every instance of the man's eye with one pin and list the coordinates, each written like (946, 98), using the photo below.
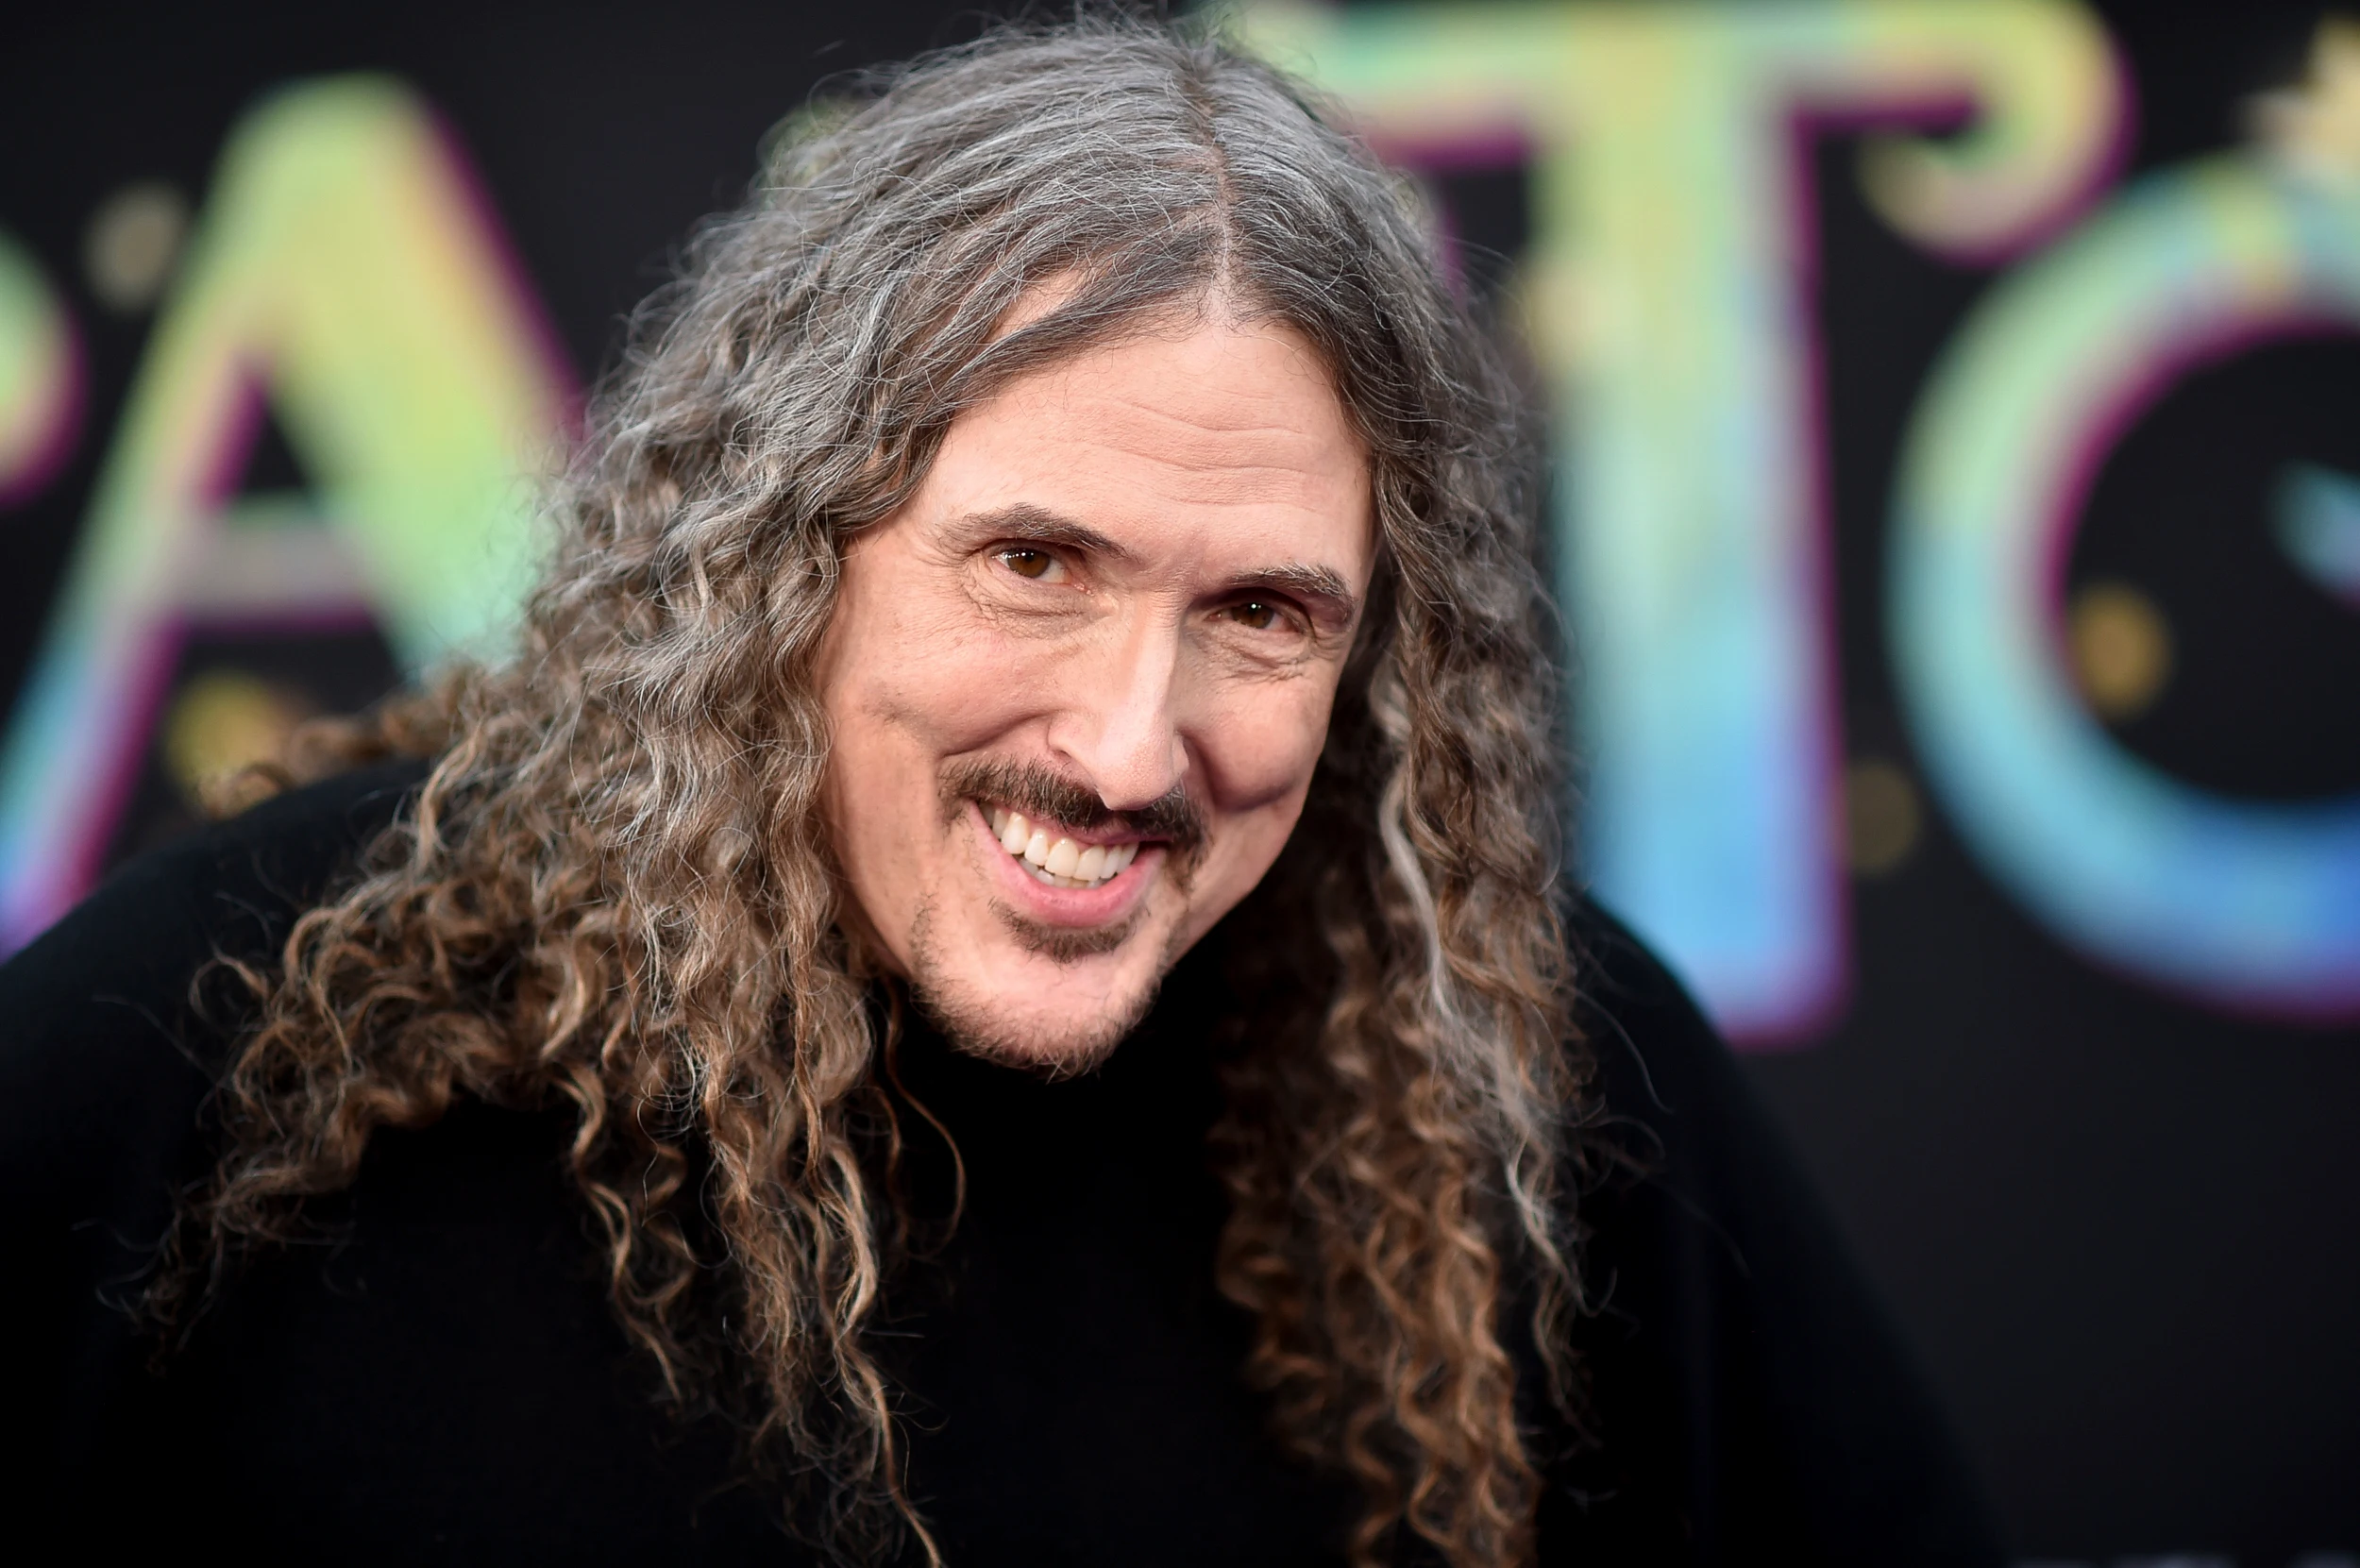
(1255, 615)
(1027, 563)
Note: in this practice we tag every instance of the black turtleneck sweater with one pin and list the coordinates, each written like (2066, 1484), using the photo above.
(445, 1381)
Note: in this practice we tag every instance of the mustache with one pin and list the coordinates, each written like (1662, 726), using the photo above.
(1038, 791)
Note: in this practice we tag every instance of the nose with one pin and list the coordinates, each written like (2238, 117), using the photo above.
(1117, 721)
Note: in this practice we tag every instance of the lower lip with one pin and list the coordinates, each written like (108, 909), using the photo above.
(1078, 907)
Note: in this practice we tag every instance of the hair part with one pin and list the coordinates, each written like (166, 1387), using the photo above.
(615, 885)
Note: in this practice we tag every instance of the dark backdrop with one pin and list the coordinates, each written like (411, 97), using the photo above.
(2123, 1230)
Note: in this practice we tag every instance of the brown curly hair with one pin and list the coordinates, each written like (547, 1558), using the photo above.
(615, 883)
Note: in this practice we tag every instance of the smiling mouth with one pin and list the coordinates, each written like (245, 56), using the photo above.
(1053, 860)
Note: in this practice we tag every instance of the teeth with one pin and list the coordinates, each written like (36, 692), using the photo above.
(1060, 862)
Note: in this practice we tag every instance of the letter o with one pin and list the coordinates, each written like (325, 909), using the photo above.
(2251, 905)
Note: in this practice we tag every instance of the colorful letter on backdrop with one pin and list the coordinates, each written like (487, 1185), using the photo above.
(1671, 282)
(344, 269)
(2252, 905)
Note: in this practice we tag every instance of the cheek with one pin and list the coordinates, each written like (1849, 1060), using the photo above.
(892, 668)
(1262, 765)
(1259, 760)
(1264, 740)
(921, 671)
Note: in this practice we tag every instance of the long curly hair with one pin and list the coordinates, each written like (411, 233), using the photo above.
(615, 883)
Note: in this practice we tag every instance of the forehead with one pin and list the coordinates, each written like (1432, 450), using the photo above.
(1173, 435)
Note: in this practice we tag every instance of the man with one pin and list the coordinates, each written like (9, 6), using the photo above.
(989, 985)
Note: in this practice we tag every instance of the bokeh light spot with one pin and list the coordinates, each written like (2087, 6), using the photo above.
(220, 723)
(41, 382)
(133, 241)
(2122, 648)
(1882, 817)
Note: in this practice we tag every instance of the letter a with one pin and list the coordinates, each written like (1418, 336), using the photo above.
(345, 271)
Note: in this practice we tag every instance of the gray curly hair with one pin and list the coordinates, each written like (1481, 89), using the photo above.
(616, 885)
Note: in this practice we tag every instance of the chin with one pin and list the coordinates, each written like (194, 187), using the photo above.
(1023, 1034)
(1052, 1001)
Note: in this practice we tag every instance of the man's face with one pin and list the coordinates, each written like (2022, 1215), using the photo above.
(1078, 683)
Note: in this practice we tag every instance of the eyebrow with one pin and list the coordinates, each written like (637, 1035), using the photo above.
(1026, 521)
(1323, 588)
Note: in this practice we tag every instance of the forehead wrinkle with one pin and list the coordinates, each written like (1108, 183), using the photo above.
(1281, 459)
(1273, 477)
(1192, 423)
(1113, 386)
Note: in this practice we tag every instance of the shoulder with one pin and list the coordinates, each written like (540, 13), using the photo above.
(1683, 1159)
(1669, 1098)
(1733, 1339)
(233, 888)
(100, 1044)
(1676, 1129)
(1661, 1067)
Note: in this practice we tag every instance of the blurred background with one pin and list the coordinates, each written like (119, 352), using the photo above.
(1956, 418)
